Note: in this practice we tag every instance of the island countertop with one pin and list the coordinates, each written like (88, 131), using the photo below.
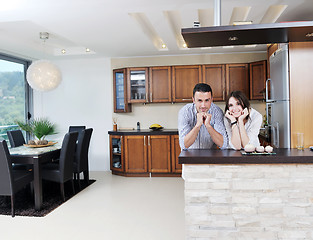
(215, 156)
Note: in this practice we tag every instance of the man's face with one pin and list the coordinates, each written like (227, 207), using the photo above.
(203, 101)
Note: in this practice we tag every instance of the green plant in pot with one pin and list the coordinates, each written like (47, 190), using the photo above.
(39, 128)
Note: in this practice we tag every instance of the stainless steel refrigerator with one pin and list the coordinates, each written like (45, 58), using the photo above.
(277, 104)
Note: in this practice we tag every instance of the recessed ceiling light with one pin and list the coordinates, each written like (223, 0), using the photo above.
(63, 51)
(87, 50)
(185, 45)
(163, 45)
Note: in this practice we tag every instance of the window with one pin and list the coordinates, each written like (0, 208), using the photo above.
(15, 94)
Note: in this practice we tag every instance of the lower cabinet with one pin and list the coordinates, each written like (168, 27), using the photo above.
(142, 155)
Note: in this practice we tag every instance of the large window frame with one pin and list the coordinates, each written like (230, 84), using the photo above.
(29, 107)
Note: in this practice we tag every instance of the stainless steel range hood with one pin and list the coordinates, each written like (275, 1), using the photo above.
(248, 34)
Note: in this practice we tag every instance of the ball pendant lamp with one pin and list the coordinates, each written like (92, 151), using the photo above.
(43, 75)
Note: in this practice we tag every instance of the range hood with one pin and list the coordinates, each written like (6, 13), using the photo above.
(248, 34)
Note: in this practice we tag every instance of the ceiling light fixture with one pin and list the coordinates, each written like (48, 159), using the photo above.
(87, 50)
(63, 51)
(43, 75)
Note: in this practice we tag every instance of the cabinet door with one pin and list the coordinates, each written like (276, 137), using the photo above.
(116, 153)
(160, 85)
(176, 167)
(257, 80)
(120, 91)
(184, 78)
(135, 154)
(159, 153)
(137, 85)
(237, 78)
(214, 75)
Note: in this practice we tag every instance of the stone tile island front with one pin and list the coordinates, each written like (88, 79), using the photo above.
(231, 196)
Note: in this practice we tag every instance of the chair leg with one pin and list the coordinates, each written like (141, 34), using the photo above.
(62, 191)
(12, 206)
(86, 176)
(73, 186)
(78, 180)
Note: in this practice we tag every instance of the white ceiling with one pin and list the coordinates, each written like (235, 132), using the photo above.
(109, 27)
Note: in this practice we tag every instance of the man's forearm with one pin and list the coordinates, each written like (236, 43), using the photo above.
(216, 136)
(191, 137)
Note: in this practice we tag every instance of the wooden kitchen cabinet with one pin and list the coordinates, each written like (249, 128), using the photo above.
(258, 75)
(237, 78)
(135, 154)
(176, 167)
(116, 153)
(214, 75)
(145, 154)
(120, 91)
(159, 154)
(137, 85)
(184, 78)
(160, 84)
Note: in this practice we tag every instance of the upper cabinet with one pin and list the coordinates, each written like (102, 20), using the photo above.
(257, 80)
(168, 84)
(160, 84)
(214, 75)
(184, 78)
(237, 78)
(137, 85)
(120, 91)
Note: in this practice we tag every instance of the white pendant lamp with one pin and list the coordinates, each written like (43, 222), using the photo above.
(43, 75)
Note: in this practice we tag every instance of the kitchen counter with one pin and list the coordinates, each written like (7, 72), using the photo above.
(282, 155)
(144, 132)
(233, 196)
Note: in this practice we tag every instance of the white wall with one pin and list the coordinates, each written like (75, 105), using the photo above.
(83, 98)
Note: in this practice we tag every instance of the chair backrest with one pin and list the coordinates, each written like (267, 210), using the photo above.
(81, 156)
(5, 170)
(67, 156)
(16, 138)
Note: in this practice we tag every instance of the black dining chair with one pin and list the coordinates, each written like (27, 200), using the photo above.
(81, 156)
(78, 129)
(11, 181)
(62, 171)
(16, 138)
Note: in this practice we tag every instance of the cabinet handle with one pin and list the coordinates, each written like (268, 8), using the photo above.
(150, 97)
(187, 99)
(224, 95)
(148, 140)
(144, 140)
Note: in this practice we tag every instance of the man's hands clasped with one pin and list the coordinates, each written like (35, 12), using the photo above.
(203, 118)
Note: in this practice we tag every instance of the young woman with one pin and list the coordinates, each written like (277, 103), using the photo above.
(242, 122)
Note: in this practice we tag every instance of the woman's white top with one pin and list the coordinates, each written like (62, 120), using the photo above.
(252, 127)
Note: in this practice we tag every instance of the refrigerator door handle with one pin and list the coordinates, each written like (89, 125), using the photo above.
(266, 89)
(267, 114)
(277, 135)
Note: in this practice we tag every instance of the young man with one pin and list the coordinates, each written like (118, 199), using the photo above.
(201, 123)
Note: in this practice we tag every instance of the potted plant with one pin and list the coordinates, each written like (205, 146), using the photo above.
(39, 128)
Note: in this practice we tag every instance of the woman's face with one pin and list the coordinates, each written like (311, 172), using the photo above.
(234, 107)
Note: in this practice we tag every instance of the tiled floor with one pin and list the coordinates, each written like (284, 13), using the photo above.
(113, 208)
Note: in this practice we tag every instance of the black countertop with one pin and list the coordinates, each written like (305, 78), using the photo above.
(215, 156)
(144, 132)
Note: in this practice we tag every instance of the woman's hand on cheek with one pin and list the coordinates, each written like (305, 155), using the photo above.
(229, 115)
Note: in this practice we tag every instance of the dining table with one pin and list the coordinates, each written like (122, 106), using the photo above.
(36, 156)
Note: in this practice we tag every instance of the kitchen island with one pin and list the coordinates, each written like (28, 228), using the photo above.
(233, 196)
